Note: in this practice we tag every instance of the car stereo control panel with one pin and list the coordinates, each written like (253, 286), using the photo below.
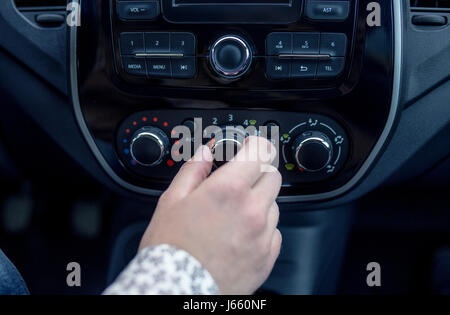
(311, 46)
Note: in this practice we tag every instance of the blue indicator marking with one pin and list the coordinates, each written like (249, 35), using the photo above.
(126, 151)
(133, 162)
(124, 140)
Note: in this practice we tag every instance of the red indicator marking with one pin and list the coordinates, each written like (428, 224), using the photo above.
(170, 163)
(165, 124)
(144, 118)
(173, 132)
(301, 169)
(155, 119)
(127, 130)
(134, 123)
(177, 142)
(176, 153)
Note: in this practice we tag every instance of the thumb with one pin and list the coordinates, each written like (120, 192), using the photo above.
(191, 174)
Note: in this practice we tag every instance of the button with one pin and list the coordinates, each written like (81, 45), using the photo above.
(157, 42)
(183, 67)
(327, 10)
(135, 66)
(333, 44)
(138, 10)
(131, 43)
(279, 43)
(159, 67)
(331, 67)
(182, 43)
(303, 68)
(306, 43)
(277, 68)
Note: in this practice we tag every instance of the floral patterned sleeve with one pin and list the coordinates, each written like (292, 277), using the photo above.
(163, 269)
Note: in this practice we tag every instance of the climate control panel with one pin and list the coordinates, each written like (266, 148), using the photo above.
(312, 148)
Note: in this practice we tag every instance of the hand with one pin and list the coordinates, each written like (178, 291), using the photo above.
(227, 221)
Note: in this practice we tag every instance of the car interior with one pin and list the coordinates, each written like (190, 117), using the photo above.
(354, 93)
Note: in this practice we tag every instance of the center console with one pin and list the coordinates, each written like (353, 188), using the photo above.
(312, 70)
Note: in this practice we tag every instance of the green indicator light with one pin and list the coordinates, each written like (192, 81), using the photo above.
(286, 135)
(252, 122)
(289, 166)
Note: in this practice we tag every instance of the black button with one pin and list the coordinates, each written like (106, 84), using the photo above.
(157, 42)
(183, 67)
(303, 68)
(279, 43)
(306, 43)
(131, 43)
(159, 67)
(182, 43)
(277, 68)
(330, 67)
(138, 10)
(135, 66)
(333, 44)
(327, 10)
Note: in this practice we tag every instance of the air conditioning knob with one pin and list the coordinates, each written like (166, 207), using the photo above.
(226, 144)
(312, 151)
(149, 146)
(230, 56)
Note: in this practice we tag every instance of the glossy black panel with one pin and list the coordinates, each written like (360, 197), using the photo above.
(358, 100)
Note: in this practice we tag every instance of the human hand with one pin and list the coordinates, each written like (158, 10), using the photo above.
(227, 221)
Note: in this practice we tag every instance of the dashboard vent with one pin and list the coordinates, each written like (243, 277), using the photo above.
(45, 13)
(430, 5)
(39, 3)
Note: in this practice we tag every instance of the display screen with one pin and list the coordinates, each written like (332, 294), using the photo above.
(188, 2)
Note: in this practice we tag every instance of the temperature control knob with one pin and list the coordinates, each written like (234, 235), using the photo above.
(226, 144)
(312, 151)
(149, 146)
(230, 56)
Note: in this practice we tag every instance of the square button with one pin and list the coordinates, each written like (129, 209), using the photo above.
(279, 43)
(134, 66)
(131, 43)
(305, 43)
(183, 68)
(277, 68)
(159, 67)
(182, 43)
(333, 44)
(303, 69)
(157, 42)
(331, 67)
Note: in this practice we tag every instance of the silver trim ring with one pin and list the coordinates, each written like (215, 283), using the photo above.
(224, 72)
(152, 136)
(398, 39)
(320, 140)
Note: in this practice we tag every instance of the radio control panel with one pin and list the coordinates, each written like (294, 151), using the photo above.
(154, 46)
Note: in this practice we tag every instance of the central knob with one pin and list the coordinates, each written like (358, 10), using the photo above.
(312, 151)
(225, 144)
(149, 146)
(230, 56)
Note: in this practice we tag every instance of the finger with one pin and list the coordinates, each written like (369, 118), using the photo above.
(273, 217)
(275, 248)
(246, 167)
(267, 188)
(191, 174)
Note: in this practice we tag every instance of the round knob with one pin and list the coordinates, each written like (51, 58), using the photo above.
(230, 56)
(225, 144)
(149, 146)
(312, 151)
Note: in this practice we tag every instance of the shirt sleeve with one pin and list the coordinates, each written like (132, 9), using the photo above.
(163, 270)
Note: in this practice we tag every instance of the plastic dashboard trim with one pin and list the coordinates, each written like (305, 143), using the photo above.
(73, 87)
